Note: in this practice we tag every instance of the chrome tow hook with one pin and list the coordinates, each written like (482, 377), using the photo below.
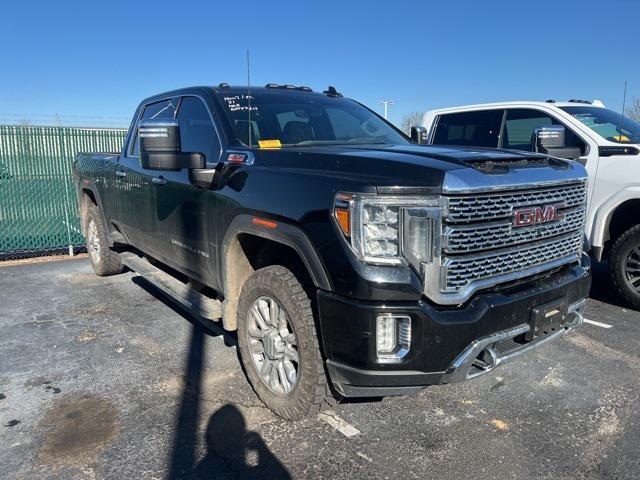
(487, 359)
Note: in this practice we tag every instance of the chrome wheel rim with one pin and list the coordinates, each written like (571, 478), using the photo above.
(632, 268)
(273, 345)
(93, 242)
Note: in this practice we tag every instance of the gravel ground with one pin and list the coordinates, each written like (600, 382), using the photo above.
(102, 378)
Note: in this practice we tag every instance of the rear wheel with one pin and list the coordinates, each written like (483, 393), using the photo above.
(624, 266)
(103, 260)
(279, 346)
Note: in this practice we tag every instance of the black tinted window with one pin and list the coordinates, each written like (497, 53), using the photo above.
(521, 123)
(162, 109)
(197, 133)
(475, 129)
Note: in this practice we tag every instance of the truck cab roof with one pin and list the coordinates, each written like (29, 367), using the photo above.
(241, 89)
(518, 103)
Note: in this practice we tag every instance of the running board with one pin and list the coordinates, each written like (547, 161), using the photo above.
(181, 293)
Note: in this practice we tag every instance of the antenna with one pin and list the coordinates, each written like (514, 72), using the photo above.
(249, 96)
(624, 100)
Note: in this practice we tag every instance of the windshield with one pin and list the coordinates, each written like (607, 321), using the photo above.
(608, 124)
(285, 119)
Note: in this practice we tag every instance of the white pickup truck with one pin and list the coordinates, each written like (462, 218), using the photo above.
(607, 143)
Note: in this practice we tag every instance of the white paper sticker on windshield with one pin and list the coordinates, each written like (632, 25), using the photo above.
(240, 103)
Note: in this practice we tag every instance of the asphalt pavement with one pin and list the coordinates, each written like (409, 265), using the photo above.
(103, 378)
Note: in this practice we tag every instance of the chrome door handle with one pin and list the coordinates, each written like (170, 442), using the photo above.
(159, 180)
(120, 173)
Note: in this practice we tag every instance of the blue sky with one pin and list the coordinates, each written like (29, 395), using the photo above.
(101, 58)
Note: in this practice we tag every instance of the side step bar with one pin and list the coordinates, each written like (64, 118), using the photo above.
(182, 293)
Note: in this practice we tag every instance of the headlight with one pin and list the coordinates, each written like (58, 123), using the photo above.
(389, 230)
(376, 230)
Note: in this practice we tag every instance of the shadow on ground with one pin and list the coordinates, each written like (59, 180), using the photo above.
(230, 447)
(231, 450)
(601, 287)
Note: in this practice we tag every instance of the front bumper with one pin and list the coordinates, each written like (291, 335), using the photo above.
(445, 341)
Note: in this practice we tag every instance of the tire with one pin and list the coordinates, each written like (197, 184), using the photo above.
(624, 266)
(103, 260)
(310, 392)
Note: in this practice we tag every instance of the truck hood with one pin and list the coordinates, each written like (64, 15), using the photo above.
(439, 168)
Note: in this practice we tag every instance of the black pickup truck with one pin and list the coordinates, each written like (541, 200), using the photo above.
(352, 261)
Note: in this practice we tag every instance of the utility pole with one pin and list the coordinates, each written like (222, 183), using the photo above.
(61, 139)
(386, 104)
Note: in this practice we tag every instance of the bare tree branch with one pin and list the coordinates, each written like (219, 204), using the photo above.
(634, 110)
(411, 120)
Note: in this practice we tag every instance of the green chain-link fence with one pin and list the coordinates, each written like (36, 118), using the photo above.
(38, 212)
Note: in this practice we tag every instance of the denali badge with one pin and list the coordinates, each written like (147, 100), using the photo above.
(524, 217)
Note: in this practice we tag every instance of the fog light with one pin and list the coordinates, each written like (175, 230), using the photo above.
(393, 336)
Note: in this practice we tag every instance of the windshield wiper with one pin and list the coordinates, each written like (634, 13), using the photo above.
(374, 141)
(310, 143)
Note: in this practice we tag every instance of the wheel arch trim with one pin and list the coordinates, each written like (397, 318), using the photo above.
(602, 217)
(85, 186)
(284, 233)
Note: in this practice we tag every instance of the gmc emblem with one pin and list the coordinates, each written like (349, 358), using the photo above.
(525, 217)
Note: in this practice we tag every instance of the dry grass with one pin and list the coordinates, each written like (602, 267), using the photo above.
(45, 259)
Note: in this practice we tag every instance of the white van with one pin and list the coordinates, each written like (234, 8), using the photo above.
(607, 143)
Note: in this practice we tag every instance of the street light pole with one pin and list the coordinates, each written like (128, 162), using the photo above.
(386, 104)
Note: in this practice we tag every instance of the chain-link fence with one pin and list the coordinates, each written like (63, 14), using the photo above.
(38, 211)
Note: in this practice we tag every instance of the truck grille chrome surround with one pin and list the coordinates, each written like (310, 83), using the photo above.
(480, 247)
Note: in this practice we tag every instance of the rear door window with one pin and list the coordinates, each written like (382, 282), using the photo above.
(162, 109)
(521, 123)
(474, 129)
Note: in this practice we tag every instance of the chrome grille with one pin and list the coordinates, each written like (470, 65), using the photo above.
(461, 271)
(485, 236)
(480, 248)
(494, 206)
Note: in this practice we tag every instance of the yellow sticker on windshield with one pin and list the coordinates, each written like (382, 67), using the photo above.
(269, 143)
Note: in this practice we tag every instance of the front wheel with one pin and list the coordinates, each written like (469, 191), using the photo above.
(279, 345)
(624, 266)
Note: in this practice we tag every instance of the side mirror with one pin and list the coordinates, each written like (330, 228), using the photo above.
(419, 135)
(550, 140)
(160, 146)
